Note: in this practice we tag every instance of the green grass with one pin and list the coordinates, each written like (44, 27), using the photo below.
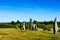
(17, 34)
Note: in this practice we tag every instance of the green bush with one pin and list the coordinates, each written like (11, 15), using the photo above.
(49, 26)
(7, 26)
(41, 25)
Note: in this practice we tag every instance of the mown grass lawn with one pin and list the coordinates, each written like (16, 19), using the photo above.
(17, 34)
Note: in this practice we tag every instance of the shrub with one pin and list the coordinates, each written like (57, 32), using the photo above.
(41, 25)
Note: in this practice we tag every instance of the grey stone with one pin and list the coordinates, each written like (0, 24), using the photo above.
(17, 27)
(23, 26)
(55, 26)
(35, 27)
(31, 24)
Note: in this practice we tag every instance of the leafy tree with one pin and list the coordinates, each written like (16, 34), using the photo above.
(18, 22)
(12, 22)
(35, 22)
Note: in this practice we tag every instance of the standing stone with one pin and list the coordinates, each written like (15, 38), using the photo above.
(55, 26)
(35, 27)
(17, 27)
(23, 25)
(31, 24)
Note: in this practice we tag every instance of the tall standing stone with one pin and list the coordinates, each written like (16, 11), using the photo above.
(55, 26)
(31, 24)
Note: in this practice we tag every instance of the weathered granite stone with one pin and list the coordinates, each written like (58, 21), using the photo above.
(31, 24)
(55, 26)
(17, 27)
(23, 25)
(35, 27)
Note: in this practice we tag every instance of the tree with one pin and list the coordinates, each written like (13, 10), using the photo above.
(12, 22)
(50, 22)
(35, 22)
(18, 22)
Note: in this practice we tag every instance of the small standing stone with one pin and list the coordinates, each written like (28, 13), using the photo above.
(17, 27)
(35, 27)
(23, 25)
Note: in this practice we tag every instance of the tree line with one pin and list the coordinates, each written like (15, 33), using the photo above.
(44, 25)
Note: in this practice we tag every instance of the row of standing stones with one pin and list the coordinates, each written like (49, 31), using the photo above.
(34, 26)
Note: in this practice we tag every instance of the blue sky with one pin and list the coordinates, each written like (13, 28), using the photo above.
(23, 10)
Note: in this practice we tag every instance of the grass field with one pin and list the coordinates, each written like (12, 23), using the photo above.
(16, 34)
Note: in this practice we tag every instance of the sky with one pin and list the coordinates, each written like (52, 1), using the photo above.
(23, 10)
